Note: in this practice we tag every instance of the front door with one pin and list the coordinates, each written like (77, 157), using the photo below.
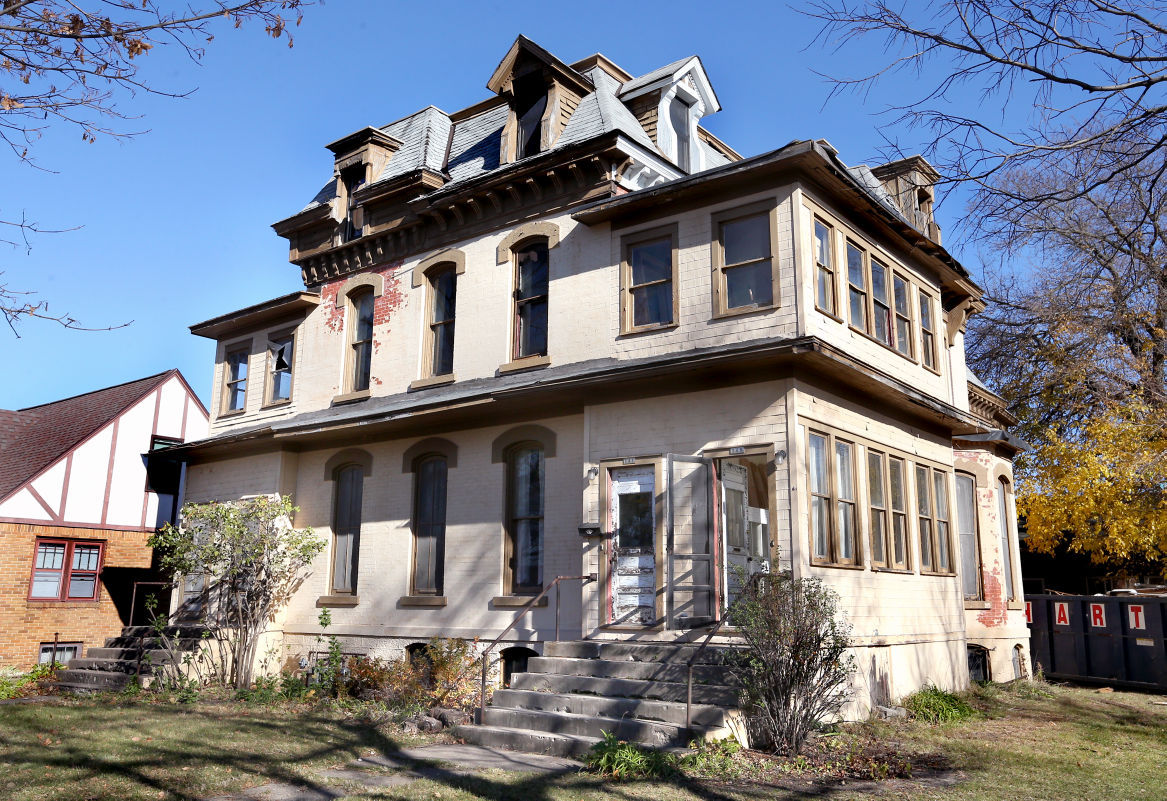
(632, 511)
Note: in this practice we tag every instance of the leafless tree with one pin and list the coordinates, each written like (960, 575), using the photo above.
(1087, 77)
(71, 62)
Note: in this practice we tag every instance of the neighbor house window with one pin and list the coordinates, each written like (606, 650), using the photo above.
(429, 524)
(927, 332)
(346, 527)
(902, 294)
(824, 292)
(279, 368)
(1006, 535)
(65, 570)
(970, 545)
(531, 286)
(443, 282)
(648, 280)
(61, 652)
(932, 510)
(525, 474)
(235, 379)
(744, 261)
(833, 520)
(360, 357)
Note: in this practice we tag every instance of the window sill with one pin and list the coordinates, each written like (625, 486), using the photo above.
(977, 605)
(826, 313)
(516, 601)
(937, 574)
(350, 397)
(422, 600)
(337, 600)
(902, 571)
(891, 348)
(276, 404)
(49, 603)
(232, 413)
(432, 381)
(838, 566)
(525, 363)
(648, 329)
(743, 311)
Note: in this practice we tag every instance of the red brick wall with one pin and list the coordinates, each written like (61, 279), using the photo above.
(25, 624)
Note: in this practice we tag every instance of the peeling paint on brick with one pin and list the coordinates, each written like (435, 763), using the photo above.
(998, 612)
(383, 307)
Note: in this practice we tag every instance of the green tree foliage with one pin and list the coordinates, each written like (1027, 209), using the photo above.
(253, 560)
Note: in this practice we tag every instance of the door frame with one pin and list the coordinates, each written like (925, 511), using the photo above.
(769, 452)
(608, 543)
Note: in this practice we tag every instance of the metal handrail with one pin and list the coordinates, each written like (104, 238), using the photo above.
(526, 608)
(693, 661)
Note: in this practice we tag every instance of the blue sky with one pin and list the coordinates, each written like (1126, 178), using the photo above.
(175, 223)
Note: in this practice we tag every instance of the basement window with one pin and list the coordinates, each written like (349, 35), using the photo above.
(978, 664)
(514, 660)
(61, 653)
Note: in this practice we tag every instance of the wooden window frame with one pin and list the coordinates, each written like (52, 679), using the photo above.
(978, 570)
(1008, 521)
(888, 306)
(516, 331)
(933, 519)
(718, 220)
(66, 570)
(902, 513)
(229, 383)
(887, 540)
(353, 302)
(929, 349)
(510, 587)
(270, 371)
(438, 590)
(833, 545)
(864, 291)
(431, 276)
(903, 314)
(829, 269)
(627, 306)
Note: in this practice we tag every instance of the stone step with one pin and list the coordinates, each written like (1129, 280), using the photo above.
(93, 679)
(634, 651)
(150, 660)
(528, 740)
(153, 643)
(704, 715)
(112, 653)
(189, 632)
(647, 671)
(627, 688)
(646, 732)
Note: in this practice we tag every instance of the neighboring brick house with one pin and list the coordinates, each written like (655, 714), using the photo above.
(568, 331)
(77, 506)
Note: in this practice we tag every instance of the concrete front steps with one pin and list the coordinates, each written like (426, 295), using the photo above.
(577, 691)
(112, 667)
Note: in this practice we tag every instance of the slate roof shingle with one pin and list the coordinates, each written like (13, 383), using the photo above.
(32, 439)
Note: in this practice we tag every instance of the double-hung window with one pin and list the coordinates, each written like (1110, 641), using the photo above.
(927, 332)
(833, 518)
(889, 520)
(932, 512)
(970, 545)
(235, 379)
(902, 294)
(824, 256)
(648, 280)
(65, 570)
(873, 292)
(346, 527)
(279, 368)
(857, 286)
(429, 524)
(360, 357)
(525, 467)
(531, 295)
(443, 283)
(880, 302)
(1007, 523)
(743, 260)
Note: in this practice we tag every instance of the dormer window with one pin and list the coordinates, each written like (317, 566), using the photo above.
(530, 104)
(351, 179)
(681, 118)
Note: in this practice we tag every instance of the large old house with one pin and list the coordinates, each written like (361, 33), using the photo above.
(77, 506)
(567, 331)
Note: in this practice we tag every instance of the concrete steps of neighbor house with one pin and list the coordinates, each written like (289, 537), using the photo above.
(136, 651)
(86, 680)
(578, 691)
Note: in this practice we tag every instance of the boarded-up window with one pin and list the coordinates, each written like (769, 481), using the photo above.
(429, 525)
(346, 528)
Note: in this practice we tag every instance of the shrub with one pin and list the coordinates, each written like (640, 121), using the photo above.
(35, 682)
(934, 705)
(443, 673)
(795, 671)
(619, 759)
(720, 759)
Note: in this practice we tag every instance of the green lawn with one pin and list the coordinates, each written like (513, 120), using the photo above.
(1076, 744)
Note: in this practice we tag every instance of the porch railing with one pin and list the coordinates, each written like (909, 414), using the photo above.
(526, 608)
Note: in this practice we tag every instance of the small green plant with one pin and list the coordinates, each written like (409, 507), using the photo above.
(34, 682)
(718, 759)
(329, 673)
(933, 705)
(619, 759)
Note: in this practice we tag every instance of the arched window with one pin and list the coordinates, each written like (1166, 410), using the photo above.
(1007, 522)
(531, 288)
(443, 287)
(429, 524)
(524, 520)
(970, 544)
(360, 356)
(346, 527)
(514, 660)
